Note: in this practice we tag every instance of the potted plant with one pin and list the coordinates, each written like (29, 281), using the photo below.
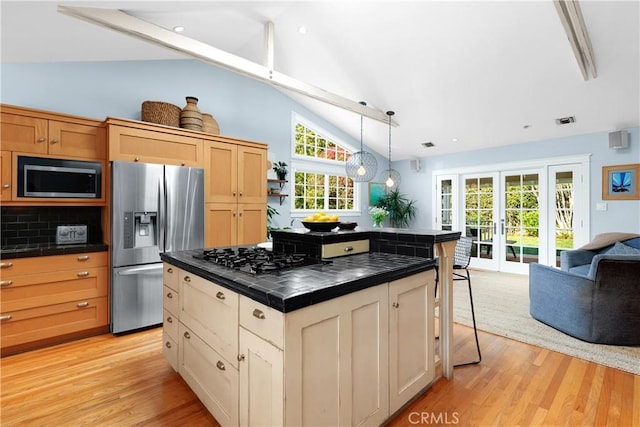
(401, 210)
(280, 168)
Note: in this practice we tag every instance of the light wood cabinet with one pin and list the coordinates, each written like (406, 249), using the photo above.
(411, 342)
(6, 182)
(137, 142)
(55, 135)
(229, 224)
(48, 299)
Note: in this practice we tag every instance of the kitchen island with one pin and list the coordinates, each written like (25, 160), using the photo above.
(344, 341)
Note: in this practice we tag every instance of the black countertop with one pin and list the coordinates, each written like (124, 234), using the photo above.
(292, 289)
(46, 249)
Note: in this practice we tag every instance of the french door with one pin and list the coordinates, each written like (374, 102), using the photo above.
(515, 217)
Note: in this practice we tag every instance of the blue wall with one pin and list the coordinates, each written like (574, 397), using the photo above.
(249, 109)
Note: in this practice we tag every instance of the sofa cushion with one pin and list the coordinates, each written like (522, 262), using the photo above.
(622, 249)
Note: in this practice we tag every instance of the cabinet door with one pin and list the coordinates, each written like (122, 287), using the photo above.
(411, 352)
(23, 133)
(211, 311)
(221, 164)
(5, 176)
(76, 140)
(336, 369)
(252, 175)
(252, 224)
(210, 376)
(261, 382)
(221, 225)
(147, 146)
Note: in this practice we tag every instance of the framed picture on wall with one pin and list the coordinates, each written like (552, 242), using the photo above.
(621, 182)
(376, 192)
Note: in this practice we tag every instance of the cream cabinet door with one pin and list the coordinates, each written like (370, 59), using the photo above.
(211, 311)
(261, 382)
(411, 349)
(210, 376)
(336, 369)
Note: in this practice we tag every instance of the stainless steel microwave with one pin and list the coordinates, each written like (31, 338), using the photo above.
(45, 177)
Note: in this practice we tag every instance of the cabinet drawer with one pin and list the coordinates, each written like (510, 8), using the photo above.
(265, 322)
(170, 300)
(210, 376)
(23, 326)
(17, 266)
(170, 350)
(170, 324)
(332, 250)
(34, 290)
(171, 276)
(210, 311)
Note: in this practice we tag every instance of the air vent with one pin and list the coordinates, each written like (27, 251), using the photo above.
(565, 120)
(428, 144)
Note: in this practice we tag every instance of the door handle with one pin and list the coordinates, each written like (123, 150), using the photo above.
(502, 226)
(138, 270)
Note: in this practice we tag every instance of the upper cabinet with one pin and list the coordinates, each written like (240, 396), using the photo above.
(145, 143)
(28, 131)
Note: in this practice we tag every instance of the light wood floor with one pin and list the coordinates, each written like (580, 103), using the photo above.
(123, 381)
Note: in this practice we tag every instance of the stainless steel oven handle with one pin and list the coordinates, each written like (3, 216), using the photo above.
(137, 270)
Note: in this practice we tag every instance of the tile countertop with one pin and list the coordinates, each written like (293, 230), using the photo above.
(292, 289)
(46, 249)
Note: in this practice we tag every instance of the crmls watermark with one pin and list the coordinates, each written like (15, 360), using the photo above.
(433, 418)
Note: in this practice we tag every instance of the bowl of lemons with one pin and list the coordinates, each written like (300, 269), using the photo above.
(320, 221)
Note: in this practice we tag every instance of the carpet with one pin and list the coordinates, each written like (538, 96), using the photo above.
(501, 302)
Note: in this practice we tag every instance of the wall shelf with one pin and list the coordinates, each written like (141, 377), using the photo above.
(281, 183)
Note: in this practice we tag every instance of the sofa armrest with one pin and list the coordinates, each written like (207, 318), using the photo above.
(595, 263)
(575, 257)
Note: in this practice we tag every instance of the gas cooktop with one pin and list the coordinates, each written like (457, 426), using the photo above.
(255, 260)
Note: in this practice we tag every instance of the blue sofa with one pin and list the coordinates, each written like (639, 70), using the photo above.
(595, 296)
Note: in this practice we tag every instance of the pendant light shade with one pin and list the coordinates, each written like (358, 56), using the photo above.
(391, 176)
(361, 166)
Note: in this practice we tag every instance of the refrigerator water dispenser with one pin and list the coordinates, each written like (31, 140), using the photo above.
(140, 229)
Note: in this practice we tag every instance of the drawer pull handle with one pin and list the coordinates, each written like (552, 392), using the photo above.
(6, 264)
(240, 357)
(168, 344)
(220, 365)
(170, 319)
(6, 186)
(395, 305)
(220, 295)
(187, 278)
(258, 313)
(83, 258)
(348, 248)
(54, 141)
(169, 295)
(137, 159)
(6, 282)
(82, 304)
(186, 335)
(169, 270)
(5, 317)
(83, 274)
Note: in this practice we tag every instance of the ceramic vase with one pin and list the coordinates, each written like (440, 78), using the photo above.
(190, 116)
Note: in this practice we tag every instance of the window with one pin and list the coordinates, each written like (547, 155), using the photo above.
(319, 178)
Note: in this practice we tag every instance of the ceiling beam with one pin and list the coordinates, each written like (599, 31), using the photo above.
(130, 25)
(573, 22)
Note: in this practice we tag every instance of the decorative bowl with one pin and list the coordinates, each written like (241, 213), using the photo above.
(347, 225)
(320, 226)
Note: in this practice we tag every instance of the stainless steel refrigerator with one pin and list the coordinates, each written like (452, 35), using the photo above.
(154, 209)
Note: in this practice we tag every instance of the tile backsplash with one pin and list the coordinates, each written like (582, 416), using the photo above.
(36, 225)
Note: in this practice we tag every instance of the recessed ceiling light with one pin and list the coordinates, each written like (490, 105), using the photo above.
(178, 28)
(302, 29)
(454, 139)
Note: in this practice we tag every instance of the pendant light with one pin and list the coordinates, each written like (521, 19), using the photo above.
(393, 176)
(361, 166)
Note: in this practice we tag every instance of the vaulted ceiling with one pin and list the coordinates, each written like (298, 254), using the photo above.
(463, 75)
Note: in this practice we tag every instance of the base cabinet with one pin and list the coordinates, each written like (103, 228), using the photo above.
(353, 360)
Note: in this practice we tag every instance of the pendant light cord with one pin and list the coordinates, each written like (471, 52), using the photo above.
(390, 113)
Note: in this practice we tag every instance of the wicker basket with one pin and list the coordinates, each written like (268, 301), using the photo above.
(209, 124)
(161, 113)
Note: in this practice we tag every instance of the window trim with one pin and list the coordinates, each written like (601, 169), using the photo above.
(309, 164)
